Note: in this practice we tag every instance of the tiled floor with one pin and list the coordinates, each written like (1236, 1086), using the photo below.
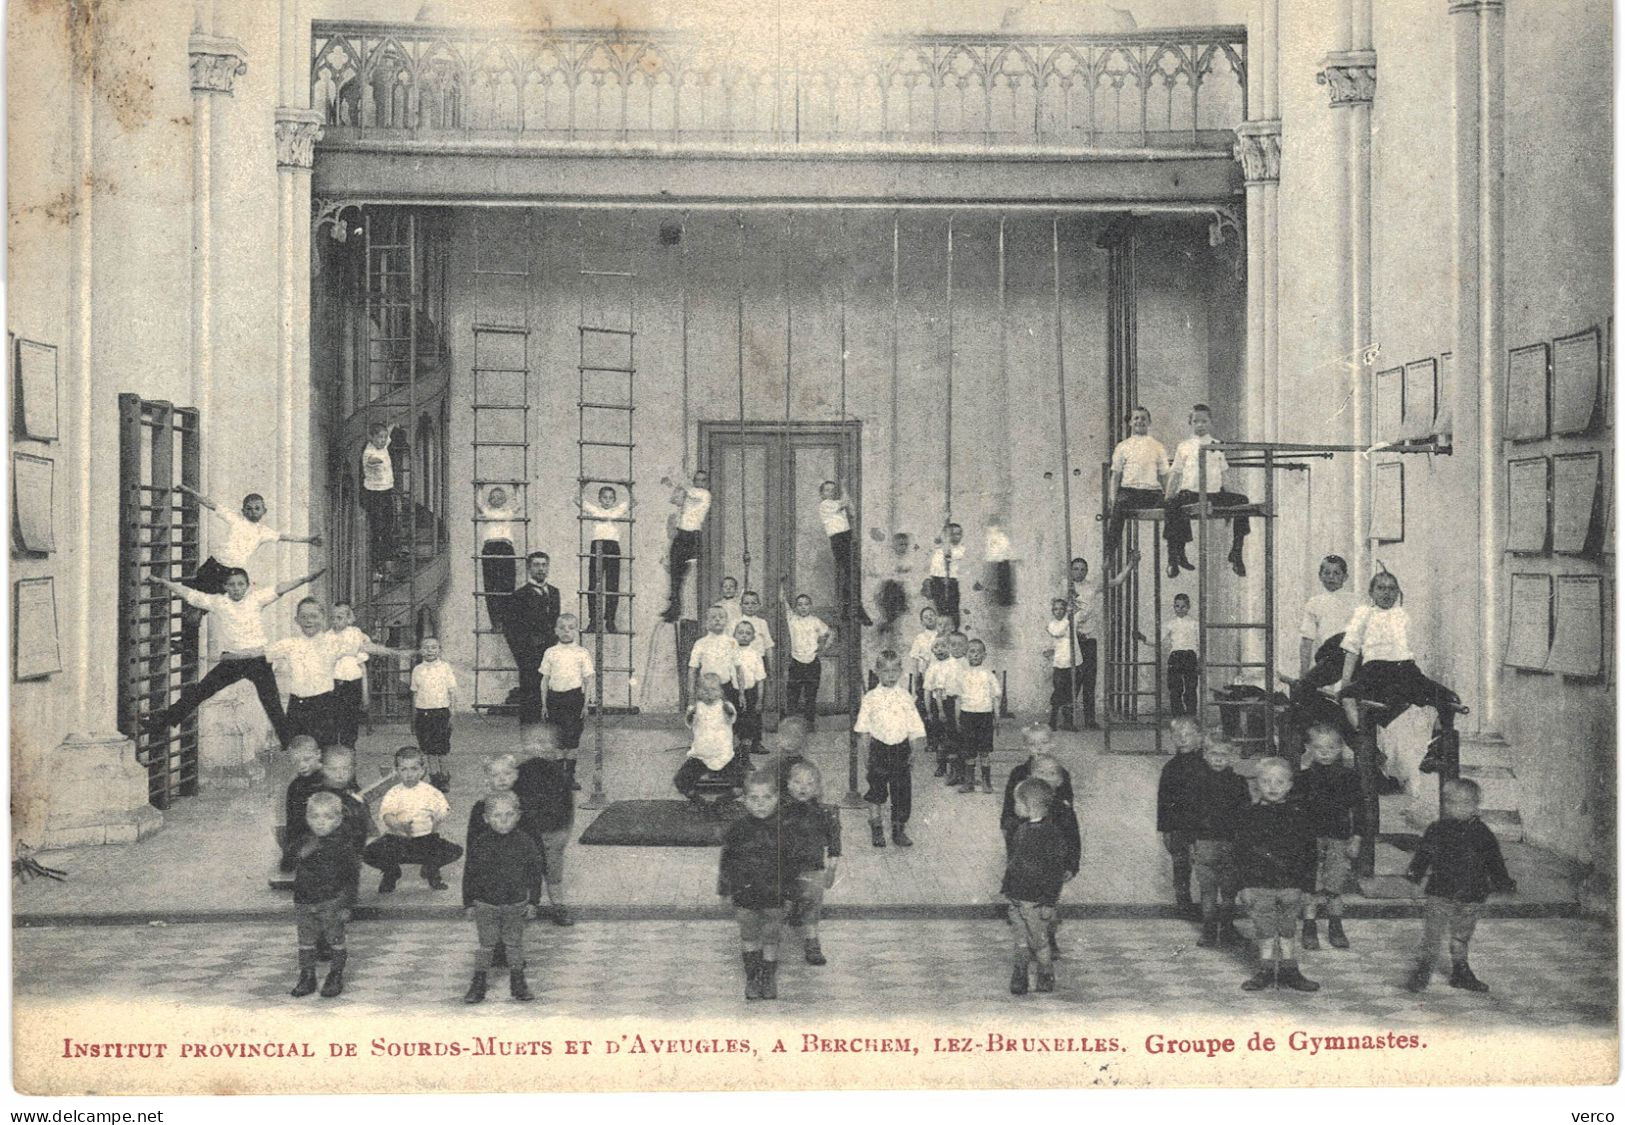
(1545, 973)
(214, 852)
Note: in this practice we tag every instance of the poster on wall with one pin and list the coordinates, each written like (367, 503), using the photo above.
(35, 394)
(1529, 634)
(1528, 401)
(1576, 362)
(1576, 486)
(33, 493)
(34, 650)
(1528, 504)
(1388, 502)
(1577, 636)
(1421, 398)
(1388, 407)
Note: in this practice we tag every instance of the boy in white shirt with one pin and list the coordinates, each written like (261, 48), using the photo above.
(809, 640)
(948, 702)
(1325, 619)
(715, 654)
(1180, 490)
(434, 690)
(1181, 638)
(693, 504)
(349, 676)
(750, 605)
(835, 513)
(245, 534)
(1139, 475)
(932, 684)
(566, 671)
(310, 659)
(711, 719)
(729, 603)
(378, 498)
(411, 813)
(979, 692)
(604, 567)
(749, 675)
(919, 652)
(942, 587)
(242, 651)
(499, 567)
(888, 716)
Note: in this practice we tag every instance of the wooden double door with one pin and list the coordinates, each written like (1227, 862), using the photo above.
(764, 525)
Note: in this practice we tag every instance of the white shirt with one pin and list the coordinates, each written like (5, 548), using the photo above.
(715, 654)
(696, 503)
(1185, 464)
(566, 667)
(242, 540)
(730, 608)
(997, 548)
(1379, 634)
(833, 514)
(888, 715)
(422, 805)
(1066, 655)
(377, 470)
(751, 669)
(349, 655)
(937, 676)
(1088, 595)
(978, 690)
(606, 528)
(1142, 460)
(712, 724)
(433, 684)
(945, 560)
(805, 633)
(1184, 634)
(919, 653)
(496, 522)
(239, 624)
(1327, 614)
(310, 662)
(953, 676)
(763, 643)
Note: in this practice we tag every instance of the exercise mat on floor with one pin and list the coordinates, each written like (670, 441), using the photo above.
(659, 824)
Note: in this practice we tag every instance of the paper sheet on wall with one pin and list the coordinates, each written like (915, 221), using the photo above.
(1388, 502)
(1576, 361)
(1529, 635)
(1389, 405)
(1575, 480)
(1527, 409)
(35, 652)
(1577, 639)
(1527, 504)
(36, 390)
(31, 481)
(1421, 397)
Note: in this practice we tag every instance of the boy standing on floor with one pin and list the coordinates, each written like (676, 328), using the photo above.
(939, 731)
(753, 872)
(566, 671)
(1178, 814)
(349, 677)
(1275, 866)
(1329, 791)
(306, 758)
(1033, 875)
(1217, 797)
(979, 693)
(888, 716)
(1461, 861)
(812, 833)
(715, 654)
(810, 638)
(502, 863)
(749, 676)
(310, 659)
(1182, 636)
(547, 812)
(325, 865)
(434, 692)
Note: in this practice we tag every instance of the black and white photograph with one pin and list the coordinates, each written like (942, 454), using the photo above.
(745, 546)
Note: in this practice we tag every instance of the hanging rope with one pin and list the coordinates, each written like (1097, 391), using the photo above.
(682, 292)
(784, 451)
(1066, 457)
(896, 387)
(948, 441)
(739, 359)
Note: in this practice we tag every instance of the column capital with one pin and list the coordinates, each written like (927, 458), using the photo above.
(1351, 75)
(1258, 147)
(217, 62)
(297, 131)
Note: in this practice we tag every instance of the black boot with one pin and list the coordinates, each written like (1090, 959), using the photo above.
(499, 956)
(1420, 975)
(814, 952)
(770, 979)
(307, 974)
(1018, 979)
(1054, 718)
(1311, 934)
(1288, 976)
(1335, 934)
(1044, 978)
(476, 988)
(1210, 934)
(324, 952)
(334, 984)
(753, 975)
(518, 988)
(900, 837)
(877, 834)
(1259, 981)
(1235, 562)
(987, 779)
(942, 766)
(1462, 977)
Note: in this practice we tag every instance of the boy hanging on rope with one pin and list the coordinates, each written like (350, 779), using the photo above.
(693, 502)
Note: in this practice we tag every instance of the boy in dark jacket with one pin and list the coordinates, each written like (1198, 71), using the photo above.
(1462, 863)
(755, 873)
(1329, 791)
(544, 785)
(306, 758)
(1275, 865)
(1037, 740)
(502, 865)
(326, 866)
(1033, 874)
(1176, 811)
(812, 840)
(1217, 798)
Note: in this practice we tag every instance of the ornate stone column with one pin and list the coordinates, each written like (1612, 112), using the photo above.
(1475, 402)
(1351, 78)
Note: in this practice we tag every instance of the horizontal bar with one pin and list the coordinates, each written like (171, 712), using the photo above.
(606, 405)
(478, 273)
(1235, 625)
(501, 329)
(605, 273)
(608, 331)
(609, 444)
(617, 370)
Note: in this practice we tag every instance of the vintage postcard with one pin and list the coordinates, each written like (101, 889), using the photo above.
(609, 546)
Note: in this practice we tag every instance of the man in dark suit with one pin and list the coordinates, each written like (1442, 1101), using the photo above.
(528, 623)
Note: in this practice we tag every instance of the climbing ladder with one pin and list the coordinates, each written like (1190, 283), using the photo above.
(607, 404)
(500, 405)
